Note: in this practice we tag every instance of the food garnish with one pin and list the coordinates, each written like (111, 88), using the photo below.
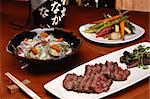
(43, 34)
(34, 50)
(139, 57)
(60, 40)
(55, 47)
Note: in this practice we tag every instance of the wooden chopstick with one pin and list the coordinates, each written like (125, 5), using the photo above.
(22, 86)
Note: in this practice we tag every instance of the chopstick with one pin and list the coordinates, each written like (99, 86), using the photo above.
(22, 86)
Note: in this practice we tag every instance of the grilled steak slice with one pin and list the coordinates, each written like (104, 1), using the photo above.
(76, 83)
(98, 68)
(118, 73)
(103, 69)
(91, 70)
(88, 84)
(89, 81)
(69, 80)
(83, 83)
(88, 69)
(110, 69)
(100, 83)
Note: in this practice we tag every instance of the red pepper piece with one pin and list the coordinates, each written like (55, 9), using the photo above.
(103, 32)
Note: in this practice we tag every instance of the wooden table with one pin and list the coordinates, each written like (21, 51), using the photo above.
(76, 16)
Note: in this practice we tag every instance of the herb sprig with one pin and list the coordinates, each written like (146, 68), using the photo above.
(138, 54)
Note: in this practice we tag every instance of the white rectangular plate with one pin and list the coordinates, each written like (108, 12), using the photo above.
(136, 74)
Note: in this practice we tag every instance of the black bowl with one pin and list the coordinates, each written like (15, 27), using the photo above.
(68, 36)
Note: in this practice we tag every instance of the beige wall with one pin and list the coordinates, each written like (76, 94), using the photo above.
(136, 5)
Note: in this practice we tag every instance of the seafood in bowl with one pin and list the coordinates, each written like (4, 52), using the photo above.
(44, 45)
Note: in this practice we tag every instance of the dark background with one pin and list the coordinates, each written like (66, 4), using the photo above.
(102, 3)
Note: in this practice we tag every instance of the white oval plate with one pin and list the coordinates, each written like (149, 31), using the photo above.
(136, 74)
(139, 31)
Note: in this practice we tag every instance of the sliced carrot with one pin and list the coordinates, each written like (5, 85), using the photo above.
(34, 50)
(122, 26)
(106, 20)
(56, 47)
(60, 40)
(43, 34)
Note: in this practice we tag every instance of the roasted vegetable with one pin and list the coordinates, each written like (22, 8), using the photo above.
(107, 19)
(117, 28)
(115, 36)
(130, 26)
(122, 26)
(127, 30)
(139, 57)
(108, 24)
(104, 32)
(97, 25)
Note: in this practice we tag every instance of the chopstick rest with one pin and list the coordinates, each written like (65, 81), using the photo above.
(22, 86)
(14, 88)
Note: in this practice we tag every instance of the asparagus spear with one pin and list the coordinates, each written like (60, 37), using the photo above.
(108, 24)
(97, 25)
(100, 24)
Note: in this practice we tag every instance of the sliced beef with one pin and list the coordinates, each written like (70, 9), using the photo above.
(109, 69)
(97, 78)
(88, 69)
(99, 68)
(83, 83)
(118, 73)
(77, 83)
(69, 80)
(91, 70)
(100, 83)
(103, 69)
(88, 84)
